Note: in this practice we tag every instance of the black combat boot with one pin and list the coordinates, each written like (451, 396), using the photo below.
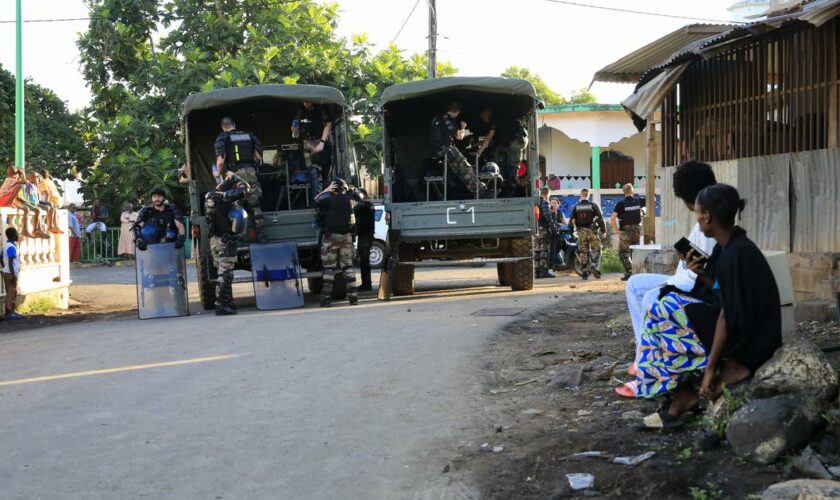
(352, 298)
(326, 300)
(224, 303)
(585, 275)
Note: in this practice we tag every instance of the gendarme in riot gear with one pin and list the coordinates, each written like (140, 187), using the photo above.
(445, 132)
(240, 152)
(158, 223)
(336, 205)
(226, 220)
(586, 217)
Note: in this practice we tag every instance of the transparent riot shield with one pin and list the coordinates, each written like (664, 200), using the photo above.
(277, 275)
(161, 282)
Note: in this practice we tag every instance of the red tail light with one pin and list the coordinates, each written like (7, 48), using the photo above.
(536, 212)
(523, 169)
(195, 232)
(385, 189)
(252, 233)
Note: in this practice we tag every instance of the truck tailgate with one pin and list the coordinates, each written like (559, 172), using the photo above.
(463, 218)
(294, 225)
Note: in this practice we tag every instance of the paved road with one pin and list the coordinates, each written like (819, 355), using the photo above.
(309, 403)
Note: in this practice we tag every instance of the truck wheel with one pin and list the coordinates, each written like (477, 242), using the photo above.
(503, 270)
(403, 280)
(522, 272)
(207, 276)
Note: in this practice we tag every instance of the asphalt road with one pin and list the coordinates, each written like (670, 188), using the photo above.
(349, 402)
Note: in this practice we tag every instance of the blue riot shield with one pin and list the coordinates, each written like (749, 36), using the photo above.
(161, 282)
(277, 275)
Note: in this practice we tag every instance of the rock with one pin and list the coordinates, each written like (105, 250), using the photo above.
(632, 415)
(802, 488)
(764, 429)
(602, 361)
(567, 378)
(797, 368)
(835, 471)
(445, 469)
(809, 465)
(706, 441)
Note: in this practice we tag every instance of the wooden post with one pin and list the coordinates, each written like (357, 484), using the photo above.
(650, 221)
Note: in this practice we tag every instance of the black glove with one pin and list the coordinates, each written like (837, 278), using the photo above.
(179, 243)
(141, 244)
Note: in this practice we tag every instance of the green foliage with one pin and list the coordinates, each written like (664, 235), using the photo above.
(729, 405)
(53, 134)
(143, 58)
(684, 454)
(709, 492)
(610, 263)
(582, 96)
(40, 305)
(550, 97)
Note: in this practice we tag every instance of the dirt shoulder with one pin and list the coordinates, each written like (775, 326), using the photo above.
(539, 426)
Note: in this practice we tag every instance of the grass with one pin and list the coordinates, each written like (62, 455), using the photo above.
(40, 305)
(610, 262)
(709, 492)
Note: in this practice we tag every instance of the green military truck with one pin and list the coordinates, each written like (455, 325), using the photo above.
(267, 111)
(433, 219)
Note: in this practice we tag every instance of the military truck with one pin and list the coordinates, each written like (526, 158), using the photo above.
(434, 220)
(266, 111)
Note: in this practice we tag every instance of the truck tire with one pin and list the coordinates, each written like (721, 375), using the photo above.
(316, 286)
(521, 273)
(207, 276)
(403, 280)
(503, 270)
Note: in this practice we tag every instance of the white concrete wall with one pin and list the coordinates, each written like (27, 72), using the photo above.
(564, 156)
(635, 146)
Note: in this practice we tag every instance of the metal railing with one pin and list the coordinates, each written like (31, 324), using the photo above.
(101, 247)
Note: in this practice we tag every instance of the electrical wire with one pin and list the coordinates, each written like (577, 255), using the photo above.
(640, 12)
(406, 20)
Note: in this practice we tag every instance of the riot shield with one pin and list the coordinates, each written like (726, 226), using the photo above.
(161, 282)
(277, 275)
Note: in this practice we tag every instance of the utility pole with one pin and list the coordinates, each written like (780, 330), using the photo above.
(432, 39)
(19, 130)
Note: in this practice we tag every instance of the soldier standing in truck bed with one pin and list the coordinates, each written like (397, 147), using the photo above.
(446, 132)
(239, 152)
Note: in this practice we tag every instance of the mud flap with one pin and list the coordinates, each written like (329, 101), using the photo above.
(161, 282)
(277, 276)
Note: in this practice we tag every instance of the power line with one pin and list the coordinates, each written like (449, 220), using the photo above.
(640, 12)
(406, 21)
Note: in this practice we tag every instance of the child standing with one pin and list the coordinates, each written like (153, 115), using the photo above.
(11, 272)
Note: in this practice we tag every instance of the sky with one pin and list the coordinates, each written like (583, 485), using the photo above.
(565, 44)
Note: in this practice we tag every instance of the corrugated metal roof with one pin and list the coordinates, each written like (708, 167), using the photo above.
(630, 68)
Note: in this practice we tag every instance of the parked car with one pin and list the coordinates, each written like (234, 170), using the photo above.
(380, 235)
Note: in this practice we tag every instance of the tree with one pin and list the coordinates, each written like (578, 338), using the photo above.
(544, 92)
(550, 97)
(142, 58)
(53, 135)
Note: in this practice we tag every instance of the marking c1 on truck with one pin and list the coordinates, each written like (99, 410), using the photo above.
(449, 210)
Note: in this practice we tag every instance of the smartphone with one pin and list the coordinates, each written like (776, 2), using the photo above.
(683, 246)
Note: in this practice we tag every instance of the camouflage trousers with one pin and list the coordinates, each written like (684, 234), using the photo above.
(459, 165)
(542, 249)
(588, 241)
(224, 258)
(337, 254)
(630, 235)
(249, 175)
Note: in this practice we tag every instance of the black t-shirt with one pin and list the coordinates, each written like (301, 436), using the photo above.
(585, 213)
(481, 129)
(629, 211)
(313, 121)
(163, 220)
(365, 219)
(444, 128)
(338, 212)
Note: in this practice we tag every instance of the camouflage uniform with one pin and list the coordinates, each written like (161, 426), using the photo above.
(443, 133)
(223, 251)
(543, 240)
(630, 235)
(249, 174)
(337, 255)
(588, 241)
(223, 242)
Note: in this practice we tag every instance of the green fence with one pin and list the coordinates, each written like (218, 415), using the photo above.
(101, 247)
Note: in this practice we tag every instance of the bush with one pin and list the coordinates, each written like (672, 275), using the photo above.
(610, 263)
(40, 305)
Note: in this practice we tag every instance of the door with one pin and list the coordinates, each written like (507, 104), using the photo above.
(616, 169)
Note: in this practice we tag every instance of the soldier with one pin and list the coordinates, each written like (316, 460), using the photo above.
(240, 152)
(626, 221)
(159, 222)
(543, 246)
(365, 229)
(446, 132)
(225, 221)
(484, 132)
(314, 125)
(586, 216)
(336, 204)
(512, 139)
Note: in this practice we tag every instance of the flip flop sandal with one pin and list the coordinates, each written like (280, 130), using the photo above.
(627, 390)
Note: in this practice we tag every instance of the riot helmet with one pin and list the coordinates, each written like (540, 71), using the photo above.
(238, 219)
(149, 233)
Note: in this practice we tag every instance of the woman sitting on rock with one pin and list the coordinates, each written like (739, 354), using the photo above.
(724, 330)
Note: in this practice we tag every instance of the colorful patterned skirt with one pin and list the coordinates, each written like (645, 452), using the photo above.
(671, 351)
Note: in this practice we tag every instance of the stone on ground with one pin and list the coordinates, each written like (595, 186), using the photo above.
(803, 488)
(764, 429)
(797, 368)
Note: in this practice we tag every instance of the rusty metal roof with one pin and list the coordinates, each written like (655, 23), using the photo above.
(630, 68)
